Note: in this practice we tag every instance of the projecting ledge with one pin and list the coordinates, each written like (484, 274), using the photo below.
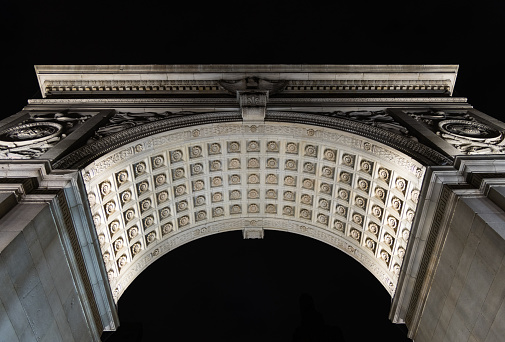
(127, 78)
(241, 68)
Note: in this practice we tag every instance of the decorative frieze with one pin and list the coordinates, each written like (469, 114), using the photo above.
(220, 87)
(90, 87)
(381, 133)
(377, 125)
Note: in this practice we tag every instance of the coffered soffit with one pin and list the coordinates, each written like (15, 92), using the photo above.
(162, 191)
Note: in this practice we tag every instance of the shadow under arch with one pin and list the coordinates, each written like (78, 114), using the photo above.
(245, 290)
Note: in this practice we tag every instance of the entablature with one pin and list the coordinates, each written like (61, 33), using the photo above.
(224, 80)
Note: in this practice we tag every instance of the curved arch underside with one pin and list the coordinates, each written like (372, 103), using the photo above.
(162, 191)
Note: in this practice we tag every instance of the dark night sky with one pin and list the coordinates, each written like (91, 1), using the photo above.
(380, 32)
(222, 287)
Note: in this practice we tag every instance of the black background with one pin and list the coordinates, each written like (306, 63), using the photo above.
(468, 33)
(222, 287)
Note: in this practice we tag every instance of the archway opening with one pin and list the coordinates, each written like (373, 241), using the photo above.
(226, 288)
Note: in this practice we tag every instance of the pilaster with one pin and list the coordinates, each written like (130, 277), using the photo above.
(32, 187)
(440, 223)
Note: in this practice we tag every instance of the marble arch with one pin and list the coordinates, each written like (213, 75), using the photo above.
(156, 193)
(117, 165)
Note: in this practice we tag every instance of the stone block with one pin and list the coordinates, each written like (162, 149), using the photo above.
(30, 234)
(456, 287)
(472, 339)
(444, 275)
(12, 304)
(416, 256)
(63, 324)
(52, 334)
(457, 331)
(499, 228)
(41, 266)
(432, 310)
(436, 189)
(87, 256)
(38, 310)
(7, 202)
(7, 332)
(492, 337)
(20, 216)
(444, 319)
(427, 219)
(6, 238)
(27, 335)
(20, 266)
(495, 295)
(468, 254)
(481, 328)
(45, 227)
(478, 225)
(452, 249)
(424, 335)
(60, 271)
(198, 76)
(471, 298)
(74, 314)
(497, 330)
(54, 300)
(462, 219)
(72, 201)
(491, 248)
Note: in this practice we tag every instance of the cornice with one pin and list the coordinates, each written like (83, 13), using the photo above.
(405, 101)
(234, 68)
(177, 79)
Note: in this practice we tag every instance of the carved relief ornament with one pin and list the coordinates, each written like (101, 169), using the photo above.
(463, 131)
(39, 133)
(95, 149)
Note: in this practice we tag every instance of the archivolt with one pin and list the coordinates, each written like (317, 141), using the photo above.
(93, 151)
(164, 190)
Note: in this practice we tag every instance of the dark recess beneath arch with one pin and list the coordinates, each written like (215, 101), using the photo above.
(248, 290)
